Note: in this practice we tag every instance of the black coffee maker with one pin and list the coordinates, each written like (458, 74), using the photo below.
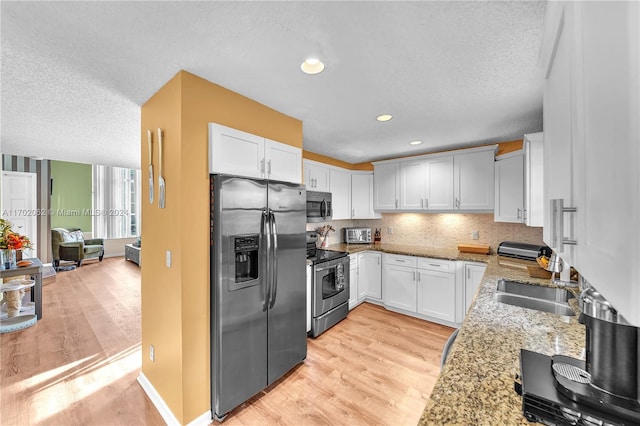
(612, 352)
(602, 390)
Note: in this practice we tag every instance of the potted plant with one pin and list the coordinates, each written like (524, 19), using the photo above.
(11, 242)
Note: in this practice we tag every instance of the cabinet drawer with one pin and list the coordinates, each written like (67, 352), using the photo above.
(437, 265)
(400, 260)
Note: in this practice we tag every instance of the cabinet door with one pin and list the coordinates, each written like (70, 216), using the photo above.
(473, 181)
(412, 185)
(509, 189)
(400, 287)
(340, 185)
(316, 176)
(283, 162)
(235, 152)
(439, 184)
(371, 275)
(558, 105)
(437, 294)
(353, 280)
(473, 274)
(362, 196)
(607, 176)
(385, 187)
(533, 179)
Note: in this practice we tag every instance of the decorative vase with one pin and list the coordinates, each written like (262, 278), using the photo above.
(18, 255)
(8, 258)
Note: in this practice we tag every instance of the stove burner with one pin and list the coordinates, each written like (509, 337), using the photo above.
(572, 372)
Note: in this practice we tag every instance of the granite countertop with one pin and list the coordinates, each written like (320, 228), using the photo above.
(476, 385)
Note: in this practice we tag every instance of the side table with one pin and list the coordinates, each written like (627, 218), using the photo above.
(35, 271)
(132, 253)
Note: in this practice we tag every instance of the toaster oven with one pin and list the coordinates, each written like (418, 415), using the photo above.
(357, 235)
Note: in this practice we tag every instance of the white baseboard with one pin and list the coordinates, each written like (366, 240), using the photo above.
(167, 415)
(157, 401)
(203, 419)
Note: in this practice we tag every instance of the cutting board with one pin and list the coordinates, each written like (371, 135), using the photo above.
(474, 248)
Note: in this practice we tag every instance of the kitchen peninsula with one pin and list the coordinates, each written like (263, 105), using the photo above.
(476, 385)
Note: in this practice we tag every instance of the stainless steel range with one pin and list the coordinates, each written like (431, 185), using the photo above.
(329, 286)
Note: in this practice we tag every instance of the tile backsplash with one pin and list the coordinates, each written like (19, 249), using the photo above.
(445, 230)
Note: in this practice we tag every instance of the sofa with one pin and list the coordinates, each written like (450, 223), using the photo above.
(69, 244)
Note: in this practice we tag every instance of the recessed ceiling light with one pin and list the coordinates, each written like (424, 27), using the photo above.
(312, 66)
(415, 142)
(384, 117)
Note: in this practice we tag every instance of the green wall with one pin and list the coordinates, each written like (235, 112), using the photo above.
(71, 195)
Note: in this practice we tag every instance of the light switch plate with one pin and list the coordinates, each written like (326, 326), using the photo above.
(168, 258)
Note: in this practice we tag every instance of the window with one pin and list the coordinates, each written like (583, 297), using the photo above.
(116, 202)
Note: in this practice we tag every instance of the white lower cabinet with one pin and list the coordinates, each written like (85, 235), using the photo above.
(437, 294)
(370, 276)
(353, 280)
(473, 273)
(400, 287)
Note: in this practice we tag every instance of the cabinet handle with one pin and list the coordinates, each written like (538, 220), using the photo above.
(269, 167)
(418, 275)
(457, 203)
(524, 215)
(468, 273)
(421, 203)
(353, 212)
(557, 224)
(426, 203)
(437, 266)
(396, 203)
(518, 214)
(414, 275)
(262, 166)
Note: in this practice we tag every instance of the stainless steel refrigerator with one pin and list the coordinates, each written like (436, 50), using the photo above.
(258, 286)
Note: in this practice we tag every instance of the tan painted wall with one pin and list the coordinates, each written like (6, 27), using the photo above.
(175, 302)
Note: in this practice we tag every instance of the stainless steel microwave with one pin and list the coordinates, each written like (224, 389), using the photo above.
(319, 207)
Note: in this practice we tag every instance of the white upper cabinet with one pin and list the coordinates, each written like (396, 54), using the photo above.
(386, 186)
(362, 196)
(533, 179)
(283, 162)
(340, 187)
(473, 181)
(439, 195)
(235, 152)
(559, 110)
(509, 188)
(427, 184)
(316, 176)
(591, 62)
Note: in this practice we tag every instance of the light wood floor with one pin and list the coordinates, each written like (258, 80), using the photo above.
(79, 364)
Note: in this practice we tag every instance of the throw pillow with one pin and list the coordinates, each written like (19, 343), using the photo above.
(77, 236)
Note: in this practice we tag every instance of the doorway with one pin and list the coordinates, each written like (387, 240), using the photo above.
(20, 204)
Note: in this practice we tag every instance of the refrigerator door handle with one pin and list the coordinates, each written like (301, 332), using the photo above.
(274, 261)
(266, 268)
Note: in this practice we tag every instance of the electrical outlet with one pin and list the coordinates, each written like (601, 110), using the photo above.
(475, 235)
(152, 353)
(168, 261)
(390, 230)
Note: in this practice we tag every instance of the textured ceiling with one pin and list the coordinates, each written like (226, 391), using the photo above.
(453, 74)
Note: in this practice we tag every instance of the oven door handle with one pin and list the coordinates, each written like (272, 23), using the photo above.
(325, 269)
(274, 260)
(264, 229)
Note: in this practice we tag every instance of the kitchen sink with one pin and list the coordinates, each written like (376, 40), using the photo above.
(532, 296)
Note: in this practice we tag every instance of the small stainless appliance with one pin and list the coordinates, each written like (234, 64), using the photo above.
(603, 390)
(357, 235)
(258, 329)
(329, 286)
(522, 250)
(319, 206)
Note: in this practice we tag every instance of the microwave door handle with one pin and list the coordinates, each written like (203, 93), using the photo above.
(274, 266)
(323, 208)
(264, 228)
